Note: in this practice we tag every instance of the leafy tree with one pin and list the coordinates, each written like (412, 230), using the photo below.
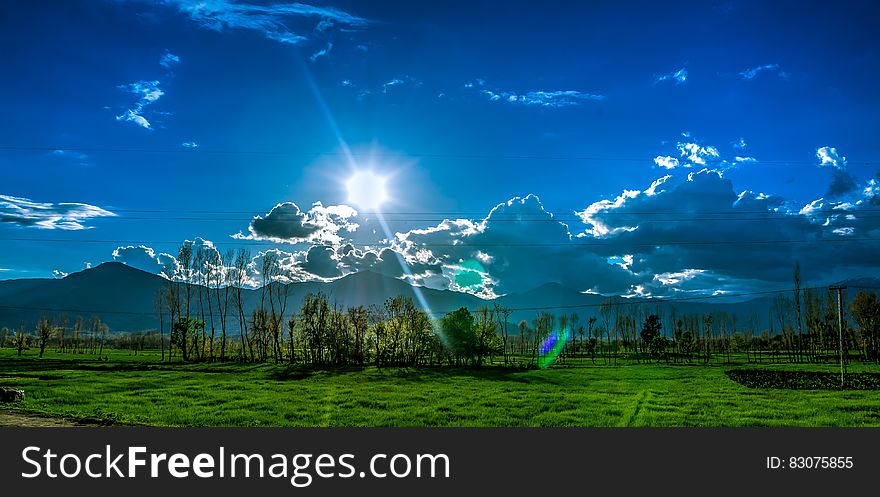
(488, 342)
(185, 327)
(651, 329)
(865, 309)
(458, 328)
(658, 346)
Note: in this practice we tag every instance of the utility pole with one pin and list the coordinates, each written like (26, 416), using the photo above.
(839, 289)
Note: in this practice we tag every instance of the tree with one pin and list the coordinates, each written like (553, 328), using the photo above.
(183, 328)
(458, 328)
(45, 332)
(486, 329)
(224, 279)
(184, 261)
(359, 317)
(797, 303)
(658, 346)
(20, 341)
(525, 337)
(651, 330)
(543, 326)
(865, 309)
(502, 314)
(159, 306)
(239, 277)
(314, 321)
(4, 332)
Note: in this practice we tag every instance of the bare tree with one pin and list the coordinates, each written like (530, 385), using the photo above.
(797, 303)
(20, 340)
(242, 259)
(45, 332)
(502, 314)
(184, 260)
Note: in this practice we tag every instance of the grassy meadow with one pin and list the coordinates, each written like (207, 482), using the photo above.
(141, 390)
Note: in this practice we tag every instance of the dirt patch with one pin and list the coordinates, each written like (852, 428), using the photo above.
(803, 380)
(10, 418)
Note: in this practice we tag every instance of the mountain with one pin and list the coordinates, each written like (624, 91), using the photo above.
(124, 298)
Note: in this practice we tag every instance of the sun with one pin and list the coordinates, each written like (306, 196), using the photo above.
(366, 190)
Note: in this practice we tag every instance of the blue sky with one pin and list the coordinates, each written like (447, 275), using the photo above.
(643, 127)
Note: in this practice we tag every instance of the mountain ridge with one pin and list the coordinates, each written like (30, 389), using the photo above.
(124, 297)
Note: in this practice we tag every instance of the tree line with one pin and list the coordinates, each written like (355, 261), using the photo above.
(202, 317)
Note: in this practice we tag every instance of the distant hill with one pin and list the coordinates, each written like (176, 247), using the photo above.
(124, 298)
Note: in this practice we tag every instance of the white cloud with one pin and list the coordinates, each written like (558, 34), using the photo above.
(745, 159)
(668, 234)
(666, 161)
(651, 242)
(286, 223)
(189, 145)
(753, 72)
(554, 99)
(828, 156)
(81, 158)
(680, 76)
(58, 274)
(149, 92)
(132, 116)
(740, 144)
(390, 84)
(63, 215)
(499, 254)
(697, 154)
(677, 277)
(323, 25)
(145, 259)
(322, 52)
(275, 21)
(842, 182)
(169, 60)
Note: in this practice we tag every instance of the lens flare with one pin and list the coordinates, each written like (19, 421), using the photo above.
(469, 275)
(552, 347)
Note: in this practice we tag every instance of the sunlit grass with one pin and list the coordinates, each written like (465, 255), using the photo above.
(141, 390)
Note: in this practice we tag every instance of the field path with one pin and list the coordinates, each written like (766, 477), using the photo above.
(643, 395)
(9, 419)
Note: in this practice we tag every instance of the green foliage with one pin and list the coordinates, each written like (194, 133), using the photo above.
(809, 380)
(183, 328)
(865, 310)
(458, 328)
(651, 329)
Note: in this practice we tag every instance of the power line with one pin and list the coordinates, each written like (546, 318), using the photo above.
(437, 220)
(262, 212)
(429, 155)
(573, 243)
(535, 308)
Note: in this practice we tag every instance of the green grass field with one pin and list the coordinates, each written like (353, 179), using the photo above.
(140, 390)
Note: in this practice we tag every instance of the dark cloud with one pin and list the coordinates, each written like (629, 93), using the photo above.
(321, 261)
(287, 223)
(145, 259)
(842, 183)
